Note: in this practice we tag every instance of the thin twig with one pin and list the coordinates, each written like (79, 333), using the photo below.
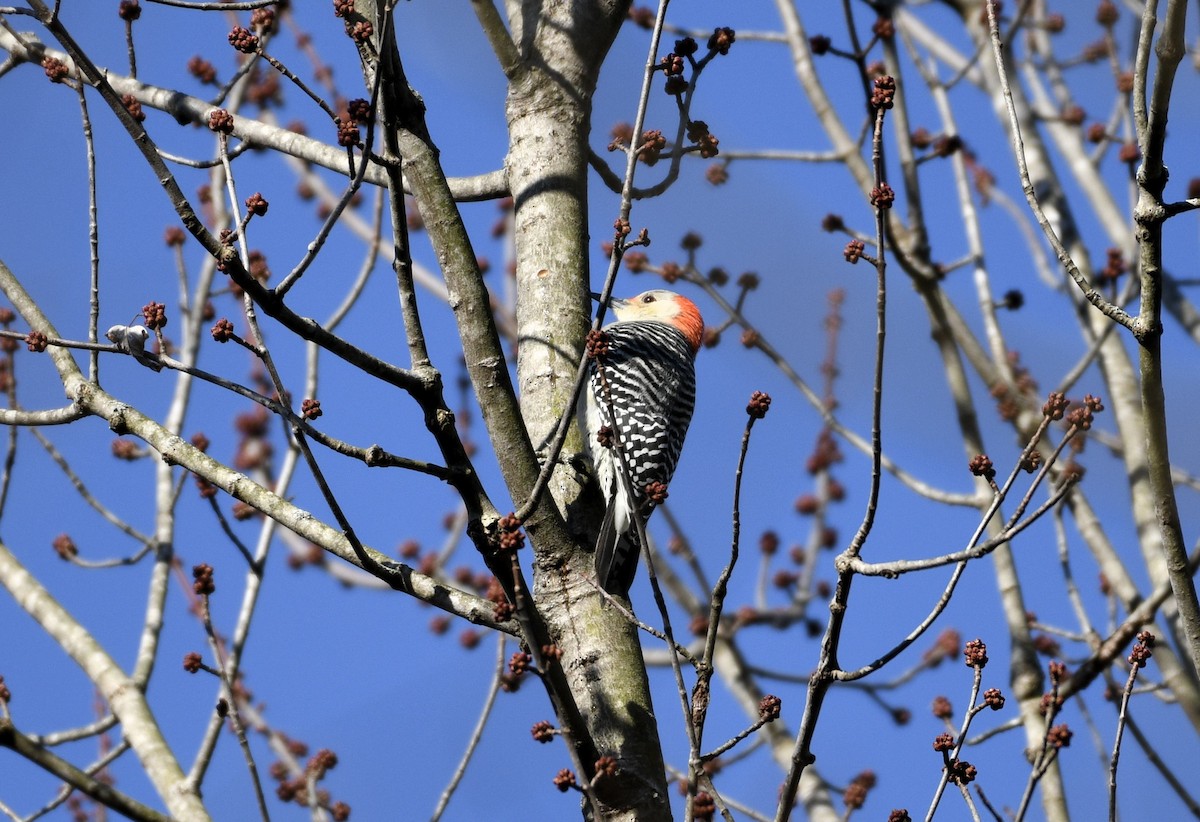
(616, 603)
(959, 740)
(86, 495)
(701, 693)
(1090, 293)
(1116, 752)
(228, 688)
(1150, 750)
(477, 734)
(318, 242)
(233, 5)
(827, 664)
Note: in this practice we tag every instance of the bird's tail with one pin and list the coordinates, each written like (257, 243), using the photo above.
(616, 555)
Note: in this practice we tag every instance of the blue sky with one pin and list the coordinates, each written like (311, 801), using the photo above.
(358, 671)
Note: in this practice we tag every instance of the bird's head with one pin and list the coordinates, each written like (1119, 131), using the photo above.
(663, 306)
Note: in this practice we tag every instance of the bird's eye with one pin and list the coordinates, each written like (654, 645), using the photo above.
(648, 298)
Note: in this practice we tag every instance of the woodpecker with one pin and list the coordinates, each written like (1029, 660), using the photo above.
(647, 377)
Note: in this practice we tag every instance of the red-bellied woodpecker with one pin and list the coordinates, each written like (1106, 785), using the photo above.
(640, 399)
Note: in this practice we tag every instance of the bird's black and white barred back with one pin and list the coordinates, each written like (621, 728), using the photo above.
(640, 399)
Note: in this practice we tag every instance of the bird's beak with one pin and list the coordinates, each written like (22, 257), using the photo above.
(613, 302)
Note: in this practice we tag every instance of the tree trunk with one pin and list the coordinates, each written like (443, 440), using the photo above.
(561, 48)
